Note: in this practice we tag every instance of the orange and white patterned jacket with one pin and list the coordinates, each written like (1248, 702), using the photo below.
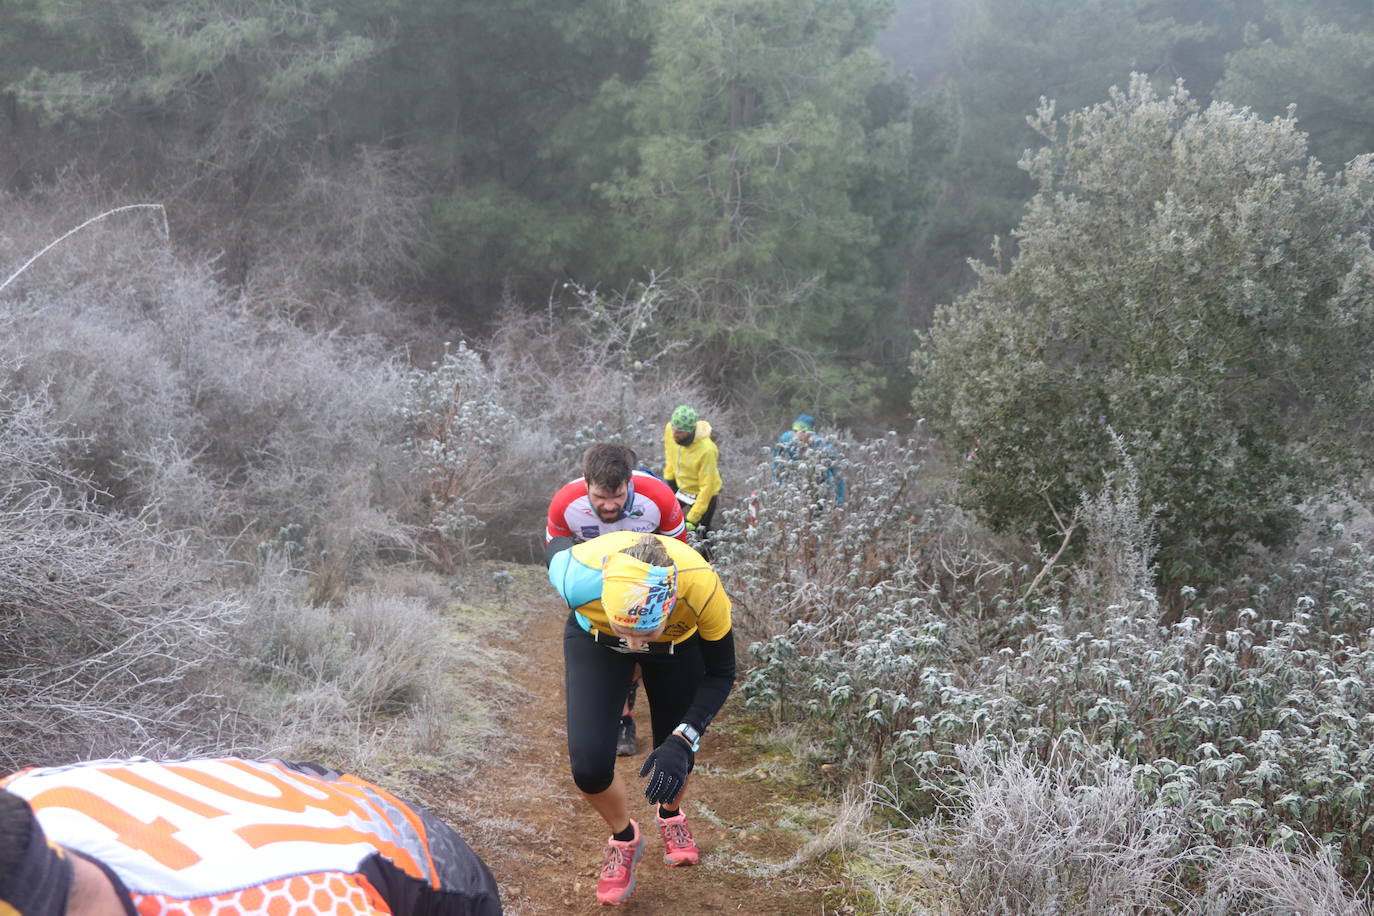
(231, 837)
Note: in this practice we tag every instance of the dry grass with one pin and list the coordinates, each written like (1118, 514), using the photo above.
(1253, 881)
(380, 680)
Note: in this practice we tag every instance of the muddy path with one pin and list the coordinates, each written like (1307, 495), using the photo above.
(523, 815)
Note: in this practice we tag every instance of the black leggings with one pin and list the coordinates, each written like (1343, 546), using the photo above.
(595, 678)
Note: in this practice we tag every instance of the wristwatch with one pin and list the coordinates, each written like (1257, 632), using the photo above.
(690, 735)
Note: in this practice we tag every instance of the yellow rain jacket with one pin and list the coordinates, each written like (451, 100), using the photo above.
(694, 468)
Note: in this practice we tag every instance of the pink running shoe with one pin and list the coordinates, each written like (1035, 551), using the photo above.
(678, 846)
(617, 881)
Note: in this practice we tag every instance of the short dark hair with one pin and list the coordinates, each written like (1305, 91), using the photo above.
(608, 465)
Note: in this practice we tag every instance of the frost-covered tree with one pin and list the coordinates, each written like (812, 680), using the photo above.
(1190, 280)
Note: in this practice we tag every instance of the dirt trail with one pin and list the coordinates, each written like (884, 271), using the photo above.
(544, 843)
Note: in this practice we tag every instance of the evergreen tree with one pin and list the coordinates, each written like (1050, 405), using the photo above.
(1188, 280)
(1004, 55)
(505, 94)
(775, 173)
(1318, 57)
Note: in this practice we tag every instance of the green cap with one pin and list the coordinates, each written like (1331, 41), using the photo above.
(684, 419)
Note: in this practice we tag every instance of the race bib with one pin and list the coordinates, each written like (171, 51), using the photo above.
(686, 498)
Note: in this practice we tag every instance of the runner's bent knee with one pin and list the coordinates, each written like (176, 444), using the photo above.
(591, 776)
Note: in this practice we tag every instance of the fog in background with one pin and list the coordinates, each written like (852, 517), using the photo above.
(307, 308)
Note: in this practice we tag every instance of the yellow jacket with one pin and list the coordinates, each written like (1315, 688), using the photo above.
(702, 605)
(694, 468)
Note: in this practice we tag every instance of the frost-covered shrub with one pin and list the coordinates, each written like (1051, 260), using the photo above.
(467, 445)
(1074, 834)
(1255, 879)
(1334, 575)
(155, 423)
(183, 404)
(805, 558)
(629, 334)
(532, 402)
(1114, 568)
(359, 220)
(594, 371)
(864, 696)
(378, 651)
(1261, 730)
(1253, 721)
(110, 637)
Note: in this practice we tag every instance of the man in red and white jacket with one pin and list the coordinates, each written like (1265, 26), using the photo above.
(612, 496)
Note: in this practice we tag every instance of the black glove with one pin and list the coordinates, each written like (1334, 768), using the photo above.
(671, 761)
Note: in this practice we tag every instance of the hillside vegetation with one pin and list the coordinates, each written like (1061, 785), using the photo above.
(320, 303)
